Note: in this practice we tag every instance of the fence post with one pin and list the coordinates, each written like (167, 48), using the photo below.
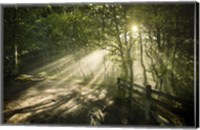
(131, 115)
(147, 102)
(119, 86)
(129, 92)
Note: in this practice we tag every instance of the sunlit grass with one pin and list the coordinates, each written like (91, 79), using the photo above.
(24, 77)
(20, 117)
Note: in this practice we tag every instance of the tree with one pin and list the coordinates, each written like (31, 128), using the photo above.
(169, 46)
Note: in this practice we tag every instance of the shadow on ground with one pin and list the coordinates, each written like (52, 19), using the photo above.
(75, 108)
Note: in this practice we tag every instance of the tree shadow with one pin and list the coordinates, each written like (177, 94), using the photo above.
(14, 89)
(49, 114)
(70, 106)
(41, 108)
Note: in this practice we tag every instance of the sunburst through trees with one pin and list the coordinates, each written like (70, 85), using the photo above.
(99, 64)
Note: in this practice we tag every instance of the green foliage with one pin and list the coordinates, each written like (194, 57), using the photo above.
(167, 33)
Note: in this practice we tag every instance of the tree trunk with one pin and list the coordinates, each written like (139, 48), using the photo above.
(141, 58)
(16, 58)
(105, 68)
(14, 37)
(120, 45)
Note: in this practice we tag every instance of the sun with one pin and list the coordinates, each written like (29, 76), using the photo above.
(134, 28)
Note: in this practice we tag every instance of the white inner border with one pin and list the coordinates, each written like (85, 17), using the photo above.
(88, 1)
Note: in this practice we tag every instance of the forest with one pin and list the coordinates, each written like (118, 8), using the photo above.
(118, 64)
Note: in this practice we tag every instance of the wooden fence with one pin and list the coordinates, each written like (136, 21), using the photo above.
(174, 105)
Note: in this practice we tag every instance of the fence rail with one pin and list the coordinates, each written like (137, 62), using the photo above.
(147, 92)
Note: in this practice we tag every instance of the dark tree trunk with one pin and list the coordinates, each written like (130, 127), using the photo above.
(15, 44)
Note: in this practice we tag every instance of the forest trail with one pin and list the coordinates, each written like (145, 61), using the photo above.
(72, 103)
(69, 103)
(56, 92)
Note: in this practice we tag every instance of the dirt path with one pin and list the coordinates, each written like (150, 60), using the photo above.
(46, 102)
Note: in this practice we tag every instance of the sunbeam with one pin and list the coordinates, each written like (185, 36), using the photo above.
(55, 64)
(91, 62)
(72, 68)
(82, 65)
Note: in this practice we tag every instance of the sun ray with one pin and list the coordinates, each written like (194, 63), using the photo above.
(89, 62)
(56, 64)
(73, 67)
